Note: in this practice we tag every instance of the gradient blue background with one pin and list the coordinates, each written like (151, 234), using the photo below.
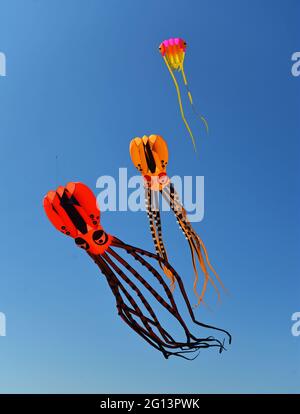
(83, 78)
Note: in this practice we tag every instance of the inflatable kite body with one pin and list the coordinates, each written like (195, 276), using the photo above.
(150, 156)
(173, 52)
(73, 211)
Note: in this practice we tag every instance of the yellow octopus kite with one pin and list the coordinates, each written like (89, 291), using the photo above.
(173, 53)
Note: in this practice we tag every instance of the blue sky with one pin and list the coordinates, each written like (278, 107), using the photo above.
(83, 78)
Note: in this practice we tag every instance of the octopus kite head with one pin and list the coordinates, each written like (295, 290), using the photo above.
(173, 50)
(73, 211)
(94, 241)
(150, 156)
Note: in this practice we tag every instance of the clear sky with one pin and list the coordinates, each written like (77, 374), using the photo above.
(83, 78)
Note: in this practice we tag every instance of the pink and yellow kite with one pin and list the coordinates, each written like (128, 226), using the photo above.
(173, 53)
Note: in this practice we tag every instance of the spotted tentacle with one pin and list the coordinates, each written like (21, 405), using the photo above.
(156, 230)
(196, 245)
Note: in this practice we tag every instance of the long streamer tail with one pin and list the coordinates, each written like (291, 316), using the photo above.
(196, 245)
(191, 99)
(180, 103)
(156, 233)
(137, 253)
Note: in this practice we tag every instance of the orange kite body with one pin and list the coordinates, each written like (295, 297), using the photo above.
(150, 156)
(73, 210)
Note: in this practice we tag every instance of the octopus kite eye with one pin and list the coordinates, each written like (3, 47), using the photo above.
(82, 243)
(147, 180)
(162, 49)
(162, 178)
(100, 237)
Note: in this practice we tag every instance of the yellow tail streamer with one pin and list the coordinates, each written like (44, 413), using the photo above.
(191, 99)
(192, 239)
(204, 269)
(196, 244)
(200, 297)
(210, 266)
(206, 277)
(180, 103)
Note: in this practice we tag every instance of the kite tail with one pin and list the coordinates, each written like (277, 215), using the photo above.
(180, 103)
(191, 99)
(210, 265)
(196, 246)
(155, 228)
(196, 252)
